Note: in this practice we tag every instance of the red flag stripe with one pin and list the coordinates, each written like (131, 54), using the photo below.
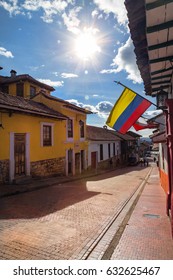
(135, 115)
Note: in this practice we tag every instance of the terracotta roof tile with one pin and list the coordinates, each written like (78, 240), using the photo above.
(64, 102)
(24, 77)
(100, 134)
(20, 104)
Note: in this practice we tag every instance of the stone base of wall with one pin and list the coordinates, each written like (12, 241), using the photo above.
(104, 164)
(48, 167)
(109, 163)
(4, 171)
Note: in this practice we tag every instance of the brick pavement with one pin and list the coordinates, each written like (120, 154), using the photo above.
(147, 235)
(63, 220)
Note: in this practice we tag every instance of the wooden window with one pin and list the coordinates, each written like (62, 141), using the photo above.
(20, 89)
(109, 150)
(32, 91)
(101, 151)
(114, 149)
(47, 135)
(70, 128)
(81, 129)
(5, 88)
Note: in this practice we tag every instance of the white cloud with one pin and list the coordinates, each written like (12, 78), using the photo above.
(71, 20)
(56, 73)
(125, 60)
(35, 68)
(68, 75)
(115, 7)
(5, 53)
(94, 13)
(85, 106)
(52, 83)
(50, 8)
(150, 114)
(95, 95)
(11, 6)
(100, 16)
(103, 108)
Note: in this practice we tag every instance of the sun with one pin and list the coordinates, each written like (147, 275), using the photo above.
(86, 46)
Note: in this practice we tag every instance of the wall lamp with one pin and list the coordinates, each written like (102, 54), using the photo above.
(81, 122)
(161, 99)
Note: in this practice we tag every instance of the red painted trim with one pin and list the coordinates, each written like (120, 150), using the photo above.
(164, 180)
(135, 115)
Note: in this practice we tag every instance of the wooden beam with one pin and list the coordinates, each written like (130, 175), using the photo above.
(161, 71)
(161, 82)
(161, 45)
(160, 59)
(157, 3)
(161, 77)
(159, 27)
(158, 88)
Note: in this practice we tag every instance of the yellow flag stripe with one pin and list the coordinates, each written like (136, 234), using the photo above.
(122, 103)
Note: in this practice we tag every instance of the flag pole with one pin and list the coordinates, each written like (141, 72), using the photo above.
(119, 83)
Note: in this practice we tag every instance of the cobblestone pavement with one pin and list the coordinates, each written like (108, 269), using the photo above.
(60, 221)
(147, 236)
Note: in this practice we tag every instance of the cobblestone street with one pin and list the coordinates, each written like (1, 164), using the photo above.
(62, 221)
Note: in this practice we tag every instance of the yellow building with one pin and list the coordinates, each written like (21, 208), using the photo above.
(40, 135)
(22, 85)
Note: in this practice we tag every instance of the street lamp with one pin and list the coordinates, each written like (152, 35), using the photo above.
(161, 99)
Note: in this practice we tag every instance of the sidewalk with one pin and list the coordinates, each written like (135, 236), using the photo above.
(147, 235)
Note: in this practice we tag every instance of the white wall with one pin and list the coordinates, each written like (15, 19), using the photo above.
(95, 147)
(163, 163)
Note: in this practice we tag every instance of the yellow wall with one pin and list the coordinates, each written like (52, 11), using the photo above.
(76, 116)
(12, 89)
(19, 123)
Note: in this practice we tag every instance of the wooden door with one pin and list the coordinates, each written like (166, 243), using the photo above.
(70, 161)
(82, 159)
(19, 154)
(94, 160)
(77, 163)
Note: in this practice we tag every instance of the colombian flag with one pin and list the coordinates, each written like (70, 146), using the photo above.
(127, 110)
(139, 125)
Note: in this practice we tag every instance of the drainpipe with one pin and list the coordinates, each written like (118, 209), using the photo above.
(170, 156)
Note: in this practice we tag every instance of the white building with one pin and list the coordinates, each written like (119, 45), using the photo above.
(104, 148)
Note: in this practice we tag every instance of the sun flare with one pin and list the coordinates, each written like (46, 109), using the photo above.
(86, 46)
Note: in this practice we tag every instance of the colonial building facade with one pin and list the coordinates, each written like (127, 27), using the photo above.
(40, 135)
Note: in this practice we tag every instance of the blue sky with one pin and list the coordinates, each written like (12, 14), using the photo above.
(77, 46)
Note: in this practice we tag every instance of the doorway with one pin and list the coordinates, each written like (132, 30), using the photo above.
(93, 160)
(70, 162)
(19, 154)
